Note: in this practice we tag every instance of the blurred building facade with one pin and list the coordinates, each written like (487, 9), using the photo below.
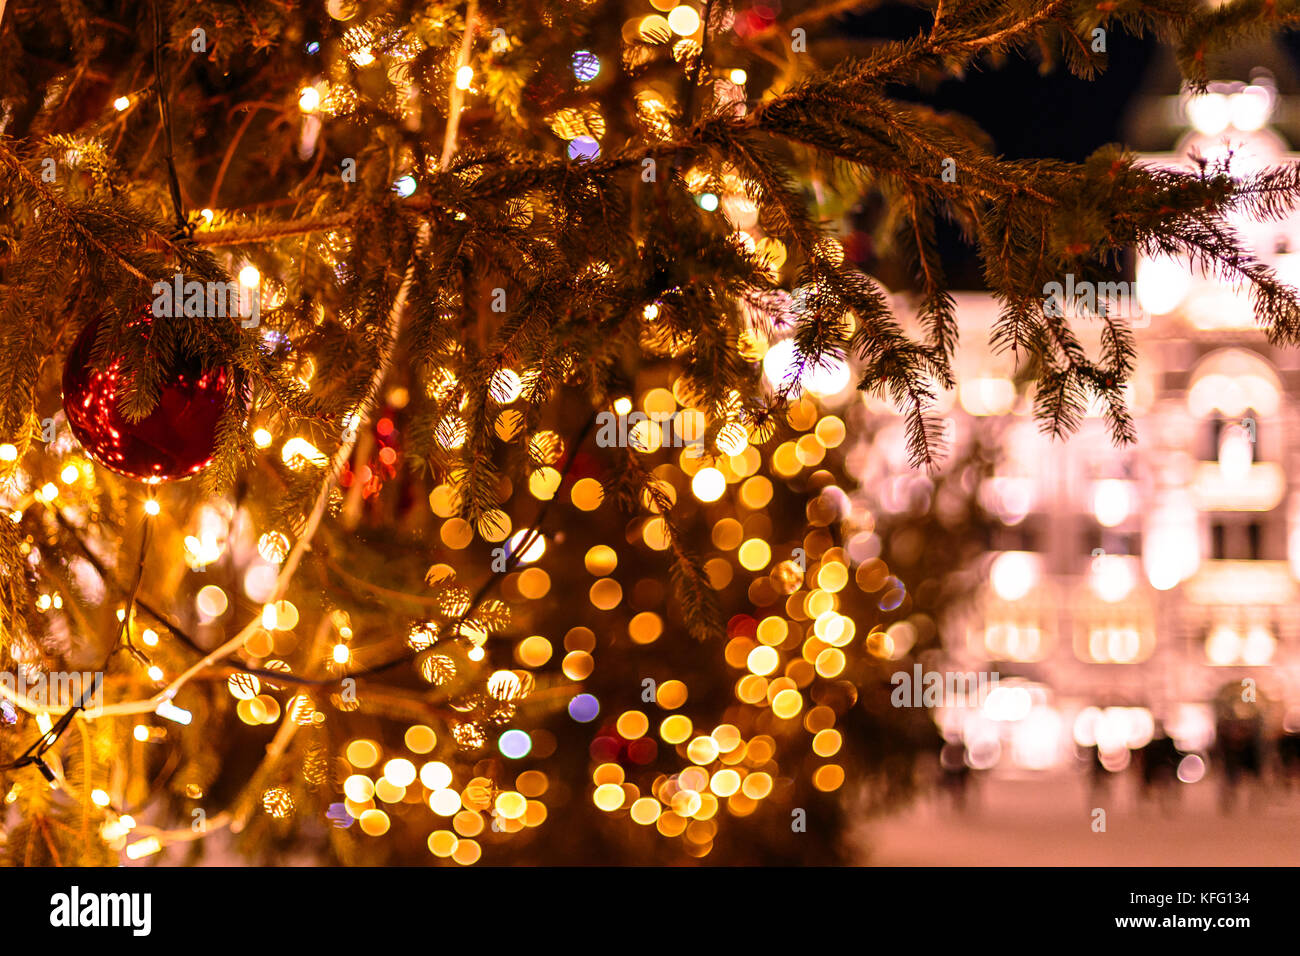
(1130, 589)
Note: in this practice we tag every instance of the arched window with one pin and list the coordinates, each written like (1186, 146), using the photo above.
(1234, 393)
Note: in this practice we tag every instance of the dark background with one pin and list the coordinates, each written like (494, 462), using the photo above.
(1032, 113)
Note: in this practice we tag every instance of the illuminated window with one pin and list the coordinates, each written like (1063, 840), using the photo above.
(1234, 385)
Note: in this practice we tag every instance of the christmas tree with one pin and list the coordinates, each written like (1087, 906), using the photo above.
(422, 424)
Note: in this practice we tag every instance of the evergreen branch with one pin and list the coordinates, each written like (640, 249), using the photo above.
(273, 231)
(60, 210)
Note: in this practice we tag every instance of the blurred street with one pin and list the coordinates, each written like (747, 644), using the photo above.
(1047, 821)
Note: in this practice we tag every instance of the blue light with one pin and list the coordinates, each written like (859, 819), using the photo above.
(586, 66)
(584, 148)
(584, 708)
(405, 186)
(894, 592)
(313, 47)
(515, 744)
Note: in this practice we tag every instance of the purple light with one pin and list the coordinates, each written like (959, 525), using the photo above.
(586, 66)
(515, 744)
(584, 708)
(584, 148)
(894, 592)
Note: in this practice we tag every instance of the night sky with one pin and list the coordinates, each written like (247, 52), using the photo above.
(1030, 114)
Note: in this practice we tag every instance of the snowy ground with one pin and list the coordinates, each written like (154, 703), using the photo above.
(1047, 821)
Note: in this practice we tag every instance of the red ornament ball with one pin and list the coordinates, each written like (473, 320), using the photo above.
(176, 440)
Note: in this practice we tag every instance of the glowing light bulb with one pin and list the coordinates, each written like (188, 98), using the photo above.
(249, 277)
(586, 66)
(363, 58)
(121, 103)
(1014, 574)
(1236, 453)
(683, 20)
(309, 99)
(69, 474)
(1162, 283)
(211, 601)
(464, 77)
(1112, 502)
(262, 438)
(739, 77)
(301, 448)
(155, 673)
(708, 484)
(1209, 113)
(1251, 108)
(99, 798)
(1112, 577)
(172, 712)
(8, 452)
(536, 547)
(152, 508)
(341, 654)
(146, 847)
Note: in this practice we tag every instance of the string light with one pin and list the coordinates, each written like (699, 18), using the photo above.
(142, 848)
(309, 99)
(170, 711)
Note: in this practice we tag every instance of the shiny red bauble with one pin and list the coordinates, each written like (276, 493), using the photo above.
(176, 440)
